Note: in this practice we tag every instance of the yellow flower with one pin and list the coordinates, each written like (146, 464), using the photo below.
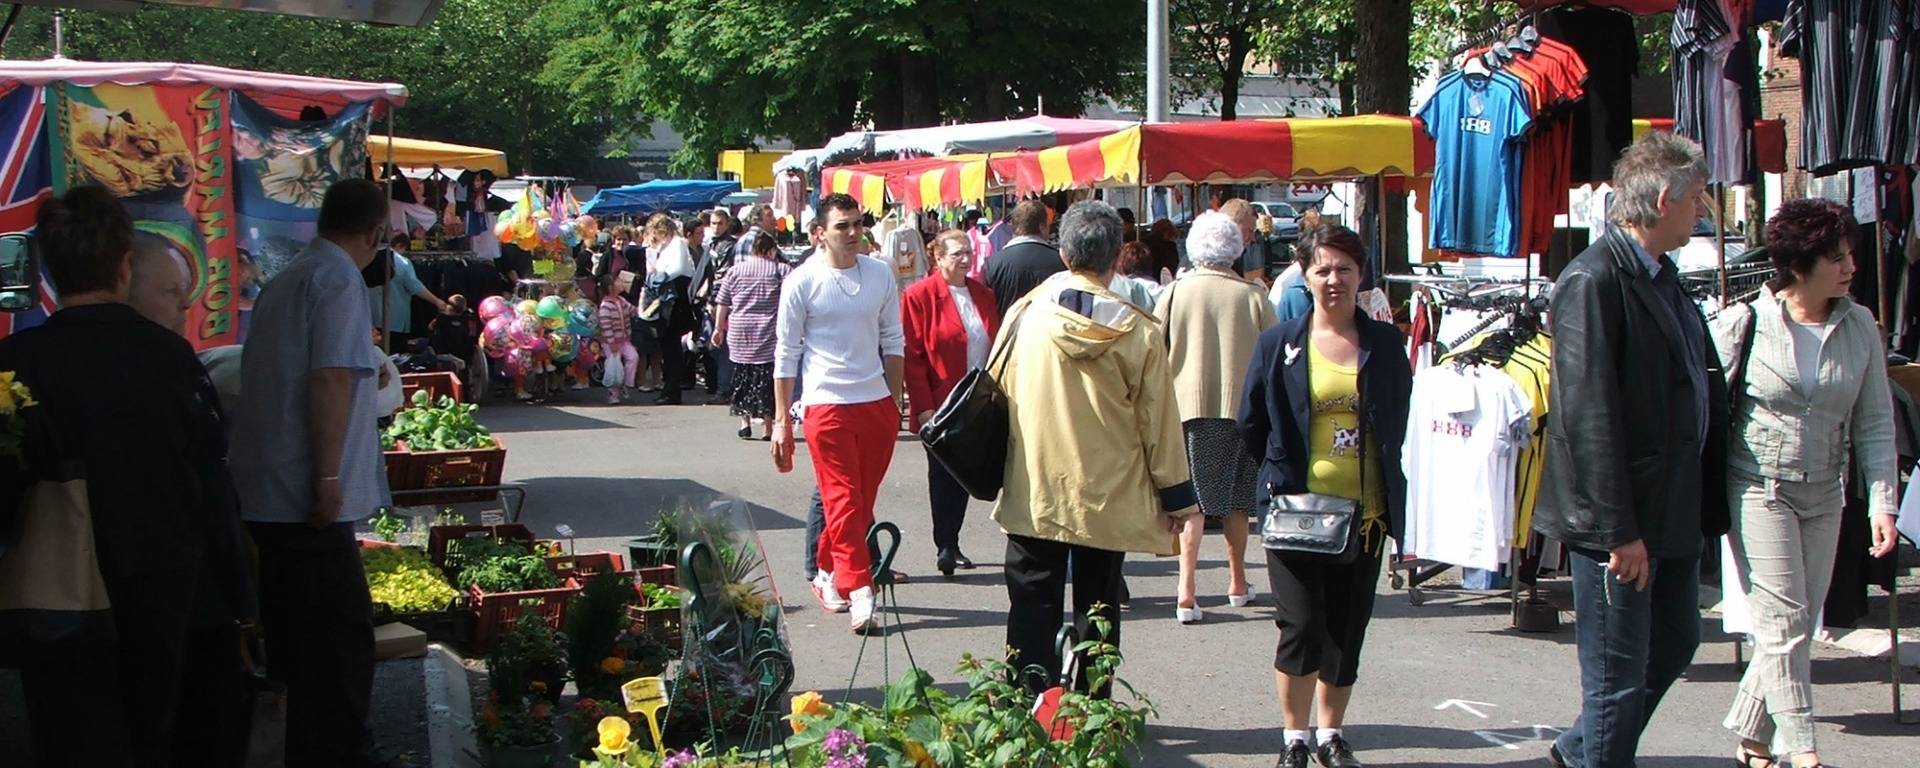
(809, 704)
(613, 734)
(918, 755)
(612, 665)
(537, 687)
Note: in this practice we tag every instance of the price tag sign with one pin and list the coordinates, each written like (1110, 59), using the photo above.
(564, 530)
(647, 696)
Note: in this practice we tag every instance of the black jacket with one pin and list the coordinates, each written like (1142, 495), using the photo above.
(1623, 461)
(1274, 417)
(1016, 269)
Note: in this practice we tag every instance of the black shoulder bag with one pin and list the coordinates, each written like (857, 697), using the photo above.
(969, 433)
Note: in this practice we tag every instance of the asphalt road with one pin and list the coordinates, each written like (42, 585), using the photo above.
(1447, 683)
(1442, 684)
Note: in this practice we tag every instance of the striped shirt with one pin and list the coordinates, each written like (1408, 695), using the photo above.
(616, 325)
(751, 293)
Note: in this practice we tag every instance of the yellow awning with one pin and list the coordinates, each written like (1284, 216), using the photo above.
(420, 153)
(754, 170)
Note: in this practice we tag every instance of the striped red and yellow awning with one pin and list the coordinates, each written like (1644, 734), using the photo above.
(1162, 153)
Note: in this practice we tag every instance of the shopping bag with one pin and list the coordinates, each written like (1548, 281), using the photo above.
(968, 434)
(612, 374)
(50, 583)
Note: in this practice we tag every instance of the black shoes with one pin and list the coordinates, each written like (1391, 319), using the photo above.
(1336, 754)
(666, 399)
(1296, 756)
(1554, 758)
(960, 559)
(946, 563)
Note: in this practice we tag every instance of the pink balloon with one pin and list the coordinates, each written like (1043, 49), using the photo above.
(494, 306)
(525, 329)
(539, 347)
(516, 363)
(494, 336)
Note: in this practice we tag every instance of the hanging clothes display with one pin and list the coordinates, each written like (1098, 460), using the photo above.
(1602, 122)
(1554, 76)
(1465, 428)
(1478, 120)
(1716, 87)
(1859, 95)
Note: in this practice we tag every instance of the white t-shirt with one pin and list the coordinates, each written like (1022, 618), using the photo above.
(1465, 428)
(1807, 340)
(977, 340)
(841, 321)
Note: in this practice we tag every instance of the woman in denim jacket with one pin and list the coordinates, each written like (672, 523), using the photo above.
(1814, 402)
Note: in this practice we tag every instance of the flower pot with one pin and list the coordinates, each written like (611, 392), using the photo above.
(536, 756)
(649, 551)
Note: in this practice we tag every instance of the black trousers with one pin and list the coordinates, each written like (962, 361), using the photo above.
(109, 696)
(318, 623)
(1036, 592)
(949, 503)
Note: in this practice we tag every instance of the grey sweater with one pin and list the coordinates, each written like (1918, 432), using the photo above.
(1780, 432)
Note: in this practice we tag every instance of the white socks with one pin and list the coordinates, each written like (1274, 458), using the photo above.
(1320, 736)
(1297, 737)
(1324, 735)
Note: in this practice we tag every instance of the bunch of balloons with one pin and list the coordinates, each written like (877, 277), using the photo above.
(539, 337)
(539, 221)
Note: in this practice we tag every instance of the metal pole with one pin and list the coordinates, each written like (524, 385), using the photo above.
(1880, 269)
(1720, 240)
(59, 34)
(386, 292)
(1157, 61)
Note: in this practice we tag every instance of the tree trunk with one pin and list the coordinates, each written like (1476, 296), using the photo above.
(919, 90)
(1231, 72)
(1383, 83)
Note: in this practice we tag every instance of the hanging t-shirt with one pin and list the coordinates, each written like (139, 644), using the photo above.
(1603, 121)
(1465, 427)
(1477, 123)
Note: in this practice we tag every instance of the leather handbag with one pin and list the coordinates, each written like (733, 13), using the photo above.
(969, 432)
(1316, 527)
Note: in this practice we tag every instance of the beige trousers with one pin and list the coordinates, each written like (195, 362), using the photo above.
(1783, 539)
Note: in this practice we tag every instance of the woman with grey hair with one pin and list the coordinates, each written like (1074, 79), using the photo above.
(1213, 317)
(1088, 387)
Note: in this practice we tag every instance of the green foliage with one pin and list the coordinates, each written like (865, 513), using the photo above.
(500, 566)
(404, 579)
(990, 724)
(387, 525)
(526, 663)
(470, 74)
(661, 596)
(595, 618)
(442, 426)
(737, 72)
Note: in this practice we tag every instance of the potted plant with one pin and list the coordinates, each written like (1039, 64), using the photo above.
(518, 734)
(660, 545)
(529, 661)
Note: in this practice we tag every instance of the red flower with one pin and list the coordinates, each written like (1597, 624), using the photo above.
(540, 711)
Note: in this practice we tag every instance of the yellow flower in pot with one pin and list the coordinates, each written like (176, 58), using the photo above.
(809, 704)
(613, 736)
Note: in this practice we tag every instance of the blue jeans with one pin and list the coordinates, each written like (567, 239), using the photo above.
(1633, 646)
(816, 525)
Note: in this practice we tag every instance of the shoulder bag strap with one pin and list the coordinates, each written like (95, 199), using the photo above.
(1737, 373)
(1167, 331)
(1011, 327)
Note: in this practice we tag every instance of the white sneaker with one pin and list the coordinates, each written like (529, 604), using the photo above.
(829, 597)
(861, 610)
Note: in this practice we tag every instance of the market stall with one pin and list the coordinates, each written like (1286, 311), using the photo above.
(421, 154)
(660, 195)
(211, 171)
(754, 170)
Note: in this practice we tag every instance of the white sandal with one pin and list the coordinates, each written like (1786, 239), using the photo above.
(1188, 615)
(1242, 601)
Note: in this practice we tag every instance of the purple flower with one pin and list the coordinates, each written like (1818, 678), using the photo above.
(684, 759)
(845, 749)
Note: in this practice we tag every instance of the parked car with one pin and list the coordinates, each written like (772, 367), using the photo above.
(1698, 253)
(1286, 220)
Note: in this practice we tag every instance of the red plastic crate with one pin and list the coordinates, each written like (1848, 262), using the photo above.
(399, 466)
(659, 574)
(442, 538)
(495, 613)
(451, 470)
(437, 385)
(584, 566)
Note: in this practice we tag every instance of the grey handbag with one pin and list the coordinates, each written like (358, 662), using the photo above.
(1316, 527)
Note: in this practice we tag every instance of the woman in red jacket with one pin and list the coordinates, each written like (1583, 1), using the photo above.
(950, 321)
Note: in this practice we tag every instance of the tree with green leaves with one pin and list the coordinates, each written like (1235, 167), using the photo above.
(734, 73)
(1215, 40)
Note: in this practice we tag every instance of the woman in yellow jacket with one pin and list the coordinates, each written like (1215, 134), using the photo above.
(1096, 466)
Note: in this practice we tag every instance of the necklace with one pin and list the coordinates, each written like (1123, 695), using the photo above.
(840, 280)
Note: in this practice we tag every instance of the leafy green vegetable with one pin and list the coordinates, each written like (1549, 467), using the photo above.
(501, 567)
(387, 526)
(661, 596)
(404, 579)
(442, 426)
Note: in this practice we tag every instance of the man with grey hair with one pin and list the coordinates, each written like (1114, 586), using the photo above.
(1088, 385)
(159, 287)
(1634, 482)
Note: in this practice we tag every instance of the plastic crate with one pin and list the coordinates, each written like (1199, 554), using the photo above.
(659, 574)
(584, 567)
(663, 622)
(442, 539)
(399, 466)
(438, 384)
(451, 470)
(495, 613)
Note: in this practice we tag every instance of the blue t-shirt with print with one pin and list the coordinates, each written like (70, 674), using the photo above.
(1478, 124)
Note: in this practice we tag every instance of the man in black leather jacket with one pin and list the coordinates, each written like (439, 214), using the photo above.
(1634, 481)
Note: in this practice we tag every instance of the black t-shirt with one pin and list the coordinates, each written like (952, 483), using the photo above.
(456, 334)
(1603, 121)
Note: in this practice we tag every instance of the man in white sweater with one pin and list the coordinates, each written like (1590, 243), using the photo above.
(840, 314)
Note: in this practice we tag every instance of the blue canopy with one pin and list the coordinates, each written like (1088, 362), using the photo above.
(660, 195)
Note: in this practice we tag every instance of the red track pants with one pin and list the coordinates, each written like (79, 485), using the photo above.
(851, 446)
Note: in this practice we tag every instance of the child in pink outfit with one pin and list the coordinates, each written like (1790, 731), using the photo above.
(616, 335)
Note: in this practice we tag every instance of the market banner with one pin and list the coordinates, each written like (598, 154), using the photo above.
(164, 151)
(282, 168)
(26, 179)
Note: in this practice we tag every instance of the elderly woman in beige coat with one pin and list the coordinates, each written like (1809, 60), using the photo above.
(1812, 406)
(1095, 466)
(1213, 317)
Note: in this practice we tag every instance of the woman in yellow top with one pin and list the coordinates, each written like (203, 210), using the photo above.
(1325, 408)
